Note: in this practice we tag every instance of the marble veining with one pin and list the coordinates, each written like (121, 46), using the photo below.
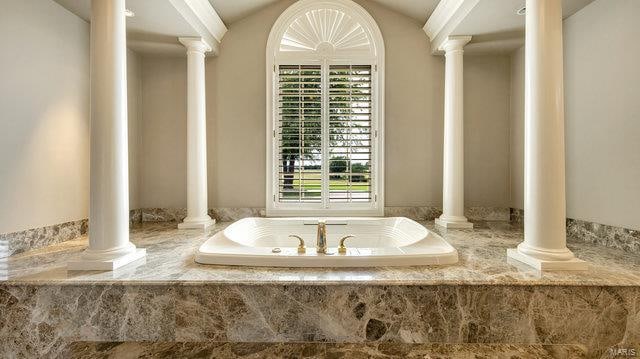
(591, 232)
(18, 242)
(516, 216)
(604, 235)
(88, 350)
(482, 252)
(483, 299)
(40, 320)
(163, 214)
(431, 213)
(34, 238)
(234, 214)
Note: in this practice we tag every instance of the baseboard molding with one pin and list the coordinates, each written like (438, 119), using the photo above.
(591, 232)
(34, 238)
(233, 214)
(577, 230)
(22, 241)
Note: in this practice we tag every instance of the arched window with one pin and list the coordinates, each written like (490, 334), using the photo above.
(325, 111)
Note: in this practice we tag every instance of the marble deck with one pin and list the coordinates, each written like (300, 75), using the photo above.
(169, 299)
(482, 251)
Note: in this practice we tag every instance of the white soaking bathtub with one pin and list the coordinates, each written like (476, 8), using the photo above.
(265, 242)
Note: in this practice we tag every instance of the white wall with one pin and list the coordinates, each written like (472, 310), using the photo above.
(44, 116)
(414, 119)
(602, 114)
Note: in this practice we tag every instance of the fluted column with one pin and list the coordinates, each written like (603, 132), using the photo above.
(109, 245)
(453, 160)
(197, 202)
(544, 245)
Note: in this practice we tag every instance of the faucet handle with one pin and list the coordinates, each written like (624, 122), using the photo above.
(341, 248)
(301, 247)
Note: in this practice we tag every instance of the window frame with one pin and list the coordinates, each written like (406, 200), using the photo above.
(275, 58)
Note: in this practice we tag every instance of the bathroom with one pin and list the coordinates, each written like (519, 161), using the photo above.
(310, 179)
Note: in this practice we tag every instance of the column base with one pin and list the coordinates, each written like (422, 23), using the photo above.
(107, 264)
(197, 224)
(546, 265)
(453, 222)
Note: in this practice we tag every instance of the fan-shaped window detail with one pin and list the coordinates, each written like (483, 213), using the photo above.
(325, 30)
(325, 107)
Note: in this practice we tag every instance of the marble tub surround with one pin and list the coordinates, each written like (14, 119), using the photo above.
(591, 232)
(487, 213)
(419, 213)
(163, 214)
(219, 214)
(43, 320)
(321, 350)
(483, 299)
(482, 261)
(604, 235)
(18, 242)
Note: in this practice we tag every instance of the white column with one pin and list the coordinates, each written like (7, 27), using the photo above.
(453, 161)
(544, 245)
(197, 203)
(109, 246)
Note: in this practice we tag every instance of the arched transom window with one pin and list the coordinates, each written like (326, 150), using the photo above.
(325, 105)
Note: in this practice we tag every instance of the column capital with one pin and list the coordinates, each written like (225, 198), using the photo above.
(196, 44)
(454, 43)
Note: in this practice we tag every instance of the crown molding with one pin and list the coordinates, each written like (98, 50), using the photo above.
(445, 18)
(204, 19)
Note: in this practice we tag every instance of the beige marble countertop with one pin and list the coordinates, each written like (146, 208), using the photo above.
(170, 260)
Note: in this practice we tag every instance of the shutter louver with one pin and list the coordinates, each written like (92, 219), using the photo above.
(346, 122)
(350, 133)
(300, 133)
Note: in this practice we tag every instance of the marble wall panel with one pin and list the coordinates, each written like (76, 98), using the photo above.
(41, 319)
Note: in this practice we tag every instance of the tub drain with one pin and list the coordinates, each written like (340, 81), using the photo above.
(276, 250)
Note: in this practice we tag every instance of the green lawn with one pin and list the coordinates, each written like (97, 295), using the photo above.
(334, 184)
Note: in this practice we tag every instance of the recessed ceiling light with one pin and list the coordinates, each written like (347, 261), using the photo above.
(522, 11)
(129, 13)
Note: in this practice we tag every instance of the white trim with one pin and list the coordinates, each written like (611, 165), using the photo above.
(444, 20)
(375, 57)
(204, 19)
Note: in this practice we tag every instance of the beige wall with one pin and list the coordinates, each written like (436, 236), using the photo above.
(44, 116)
(414, 114)
(516, 128)
(602, 114)
(134, 106)
(164, 132)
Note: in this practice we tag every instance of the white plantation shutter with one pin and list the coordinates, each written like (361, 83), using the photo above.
(350, 133)
(338, 169)
(325, 111)
(299, 133)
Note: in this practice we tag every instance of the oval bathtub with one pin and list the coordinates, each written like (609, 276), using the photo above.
(265, 242)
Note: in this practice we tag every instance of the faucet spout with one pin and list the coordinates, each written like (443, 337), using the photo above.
(321, 239)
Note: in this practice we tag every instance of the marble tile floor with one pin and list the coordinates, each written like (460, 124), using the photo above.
(131, 350)
(482, 252)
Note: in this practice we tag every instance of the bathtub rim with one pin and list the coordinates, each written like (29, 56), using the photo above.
(412, 255)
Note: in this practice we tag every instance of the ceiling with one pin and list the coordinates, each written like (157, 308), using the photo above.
(503, 16)
(157, 24)
(505, 31)
(233, 10)
(147, 32)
